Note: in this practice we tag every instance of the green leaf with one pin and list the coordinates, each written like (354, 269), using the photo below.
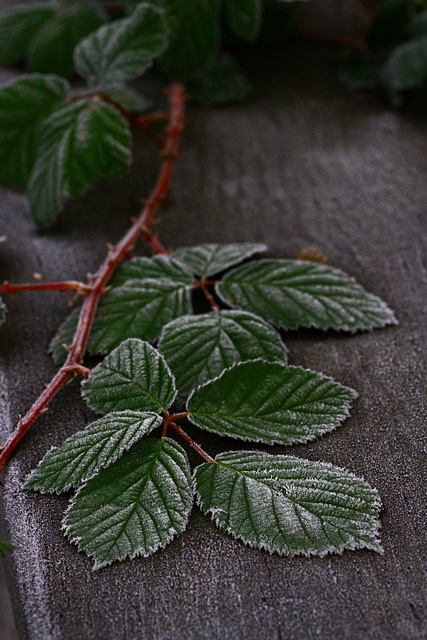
(86, 452)
(136, 506)
(122, 50)
(127, 97)
(51, 49)
(270, 402)
(134, 376)
(24, 104)
(287, 505)
(152, 268)
(223, 83)
(194, 37)
(80, 143)
(18, 25)
(102, 337)
(138, 309)
(199, 348)
(5, 547)
(208, 259)
(64, 336)
(297, 293)
(243, 17)
(406, 68)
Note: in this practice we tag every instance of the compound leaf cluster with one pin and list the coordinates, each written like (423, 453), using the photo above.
(228, 369)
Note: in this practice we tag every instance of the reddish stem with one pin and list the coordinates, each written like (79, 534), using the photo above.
(191, 442)
(67, 285)
(115, 256)
(209, 297)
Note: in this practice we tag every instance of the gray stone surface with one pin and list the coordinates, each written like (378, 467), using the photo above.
(303, 163)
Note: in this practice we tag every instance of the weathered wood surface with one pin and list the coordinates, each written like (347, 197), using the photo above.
(304, 162)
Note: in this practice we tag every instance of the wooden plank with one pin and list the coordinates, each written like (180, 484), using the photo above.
(305, 162)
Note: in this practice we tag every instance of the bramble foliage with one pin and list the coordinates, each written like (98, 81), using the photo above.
(227, 368)
(58, 143)
(230, 368)
(396, 58)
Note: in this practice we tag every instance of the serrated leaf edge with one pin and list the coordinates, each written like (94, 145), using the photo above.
(157, 352)
(340, 418)
(320, 554)
(57, 492)
(261, 248)
(232, 312)
(313, 324)
(141, 553)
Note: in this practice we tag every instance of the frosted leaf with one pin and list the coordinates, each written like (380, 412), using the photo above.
(124, 49)
(134, 376)
(138, 309)
(243, 18)
(208, 259)
(136, 506)
(297, 293)
(141, 268)
(287, 505)
(79, 143)
(270, 402)
(199, 348)
(87, 451)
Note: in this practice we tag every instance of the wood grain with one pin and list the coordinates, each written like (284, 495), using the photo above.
(303, 163)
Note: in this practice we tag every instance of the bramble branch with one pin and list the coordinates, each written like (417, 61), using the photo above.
(66, 285)
(116, 255)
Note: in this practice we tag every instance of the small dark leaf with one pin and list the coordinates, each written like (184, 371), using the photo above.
(243, 17)
(51, 49)
(5, 547)
(24, 104)
(194, 38)
(223, 83)
(18, 25)
(406, 68)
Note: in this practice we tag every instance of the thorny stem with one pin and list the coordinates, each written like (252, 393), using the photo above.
(98, 282)
(67, 285)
